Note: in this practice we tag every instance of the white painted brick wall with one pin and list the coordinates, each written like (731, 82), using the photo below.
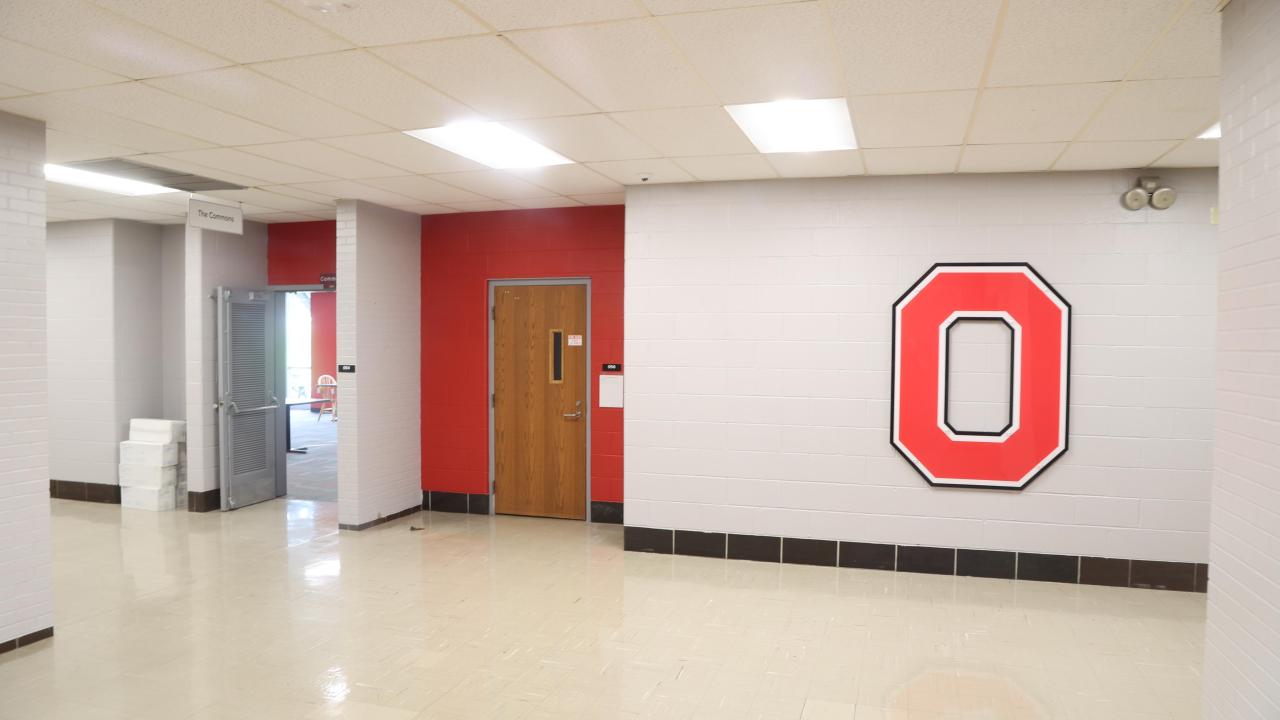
(172, 286)
(757, 346)
(26, 600)
(1242, 647)
(379, 330)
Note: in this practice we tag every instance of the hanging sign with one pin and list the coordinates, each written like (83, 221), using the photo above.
(212, 216)
(1039, 321)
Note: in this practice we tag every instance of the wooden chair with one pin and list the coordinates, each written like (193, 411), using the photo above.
(327, 388)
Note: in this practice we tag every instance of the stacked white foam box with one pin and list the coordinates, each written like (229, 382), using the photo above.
(153, 465)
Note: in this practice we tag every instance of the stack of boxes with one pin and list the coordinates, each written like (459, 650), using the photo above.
(153, 465)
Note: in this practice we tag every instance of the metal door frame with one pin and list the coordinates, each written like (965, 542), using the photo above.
(493, 285)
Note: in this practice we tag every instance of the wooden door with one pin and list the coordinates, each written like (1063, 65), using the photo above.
(540, 404)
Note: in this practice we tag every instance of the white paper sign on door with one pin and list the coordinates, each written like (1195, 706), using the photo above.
(575, 341)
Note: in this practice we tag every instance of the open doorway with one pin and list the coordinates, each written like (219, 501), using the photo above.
(311, 404)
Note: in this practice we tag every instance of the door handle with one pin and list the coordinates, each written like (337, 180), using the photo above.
(574, 415)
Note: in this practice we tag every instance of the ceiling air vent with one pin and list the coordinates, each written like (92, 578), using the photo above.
(156, 175)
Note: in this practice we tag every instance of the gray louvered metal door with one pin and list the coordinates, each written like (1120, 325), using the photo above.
(247, 405)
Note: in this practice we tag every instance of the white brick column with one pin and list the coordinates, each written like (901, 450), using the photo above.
(1242, 643)
(379, 331)
(26, 588)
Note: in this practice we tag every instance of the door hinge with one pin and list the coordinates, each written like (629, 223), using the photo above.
(493, 311)
(493, 400)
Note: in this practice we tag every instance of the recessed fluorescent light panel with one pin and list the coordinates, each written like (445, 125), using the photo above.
(492, 144)
(100, 181)
(785, 126)
(1213, 133)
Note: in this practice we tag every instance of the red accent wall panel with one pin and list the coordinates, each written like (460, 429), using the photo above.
(460, 254)
(324, 335)
(297, 253)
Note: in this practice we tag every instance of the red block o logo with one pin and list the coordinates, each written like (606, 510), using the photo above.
(1039, 321)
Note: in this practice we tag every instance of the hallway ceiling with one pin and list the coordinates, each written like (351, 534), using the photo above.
(304, 107)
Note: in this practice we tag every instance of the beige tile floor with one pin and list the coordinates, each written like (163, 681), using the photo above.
(269, 612)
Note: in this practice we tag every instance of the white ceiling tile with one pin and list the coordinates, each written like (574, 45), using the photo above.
(144, 103)
(386, 22)
(628, 65)
(835, 163)
(617, 198)
(66, 211)
(249, 165)
(489, 75)
(1192, 48)
(69, 117)
(629, 172)
(369, 86)
(63, 147)
(681, 132)
(913, 120)
(507, 15)
(569, 179)
(910, 161)
(482, 206)
(913, 45)
(169, 162)
(1157, 109)
(555, 201)
(1035, 114)
(244, 30)
(407, 153)
(1022, 157)
(124, 211)
(279, 217)
(271, 200)
(352, 190)
(494, 184)
(670, 7)
(763, 53)
(425, 209)
(319, 198)
(58, 192)
(1112, 155)
(96, 37)
(1192, 153)
(268, 101)
(11, 91)
(424, 189)
(324, 159)
(1050, 41)
(586, 138)
(41, 71)
(728, 167)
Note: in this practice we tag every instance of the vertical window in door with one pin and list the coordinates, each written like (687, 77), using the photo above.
(557, 356)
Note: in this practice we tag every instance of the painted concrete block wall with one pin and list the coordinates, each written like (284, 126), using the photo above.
(26, 601)
(1242, 642)
(379, 331)
(212, 260)
(137, 344)
(758, 352)
(81, 316)
(172, 284)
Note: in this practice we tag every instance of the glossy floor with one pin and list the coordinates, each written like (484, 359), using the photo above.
(270, 612)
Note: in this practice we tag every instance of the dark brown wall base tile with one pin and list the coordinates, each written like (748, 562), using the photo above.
(25, 640)
(100, 493)
(986, 563)
(606, 512)
(868, 556)
(642, 539)
(1048, 568)
(382, 520)
(206, 501)
(923, 559)
(700, 544)
(1113, 572)
(448, 502)
(803, 551)
(1162, 575)
(761, 548)
(1202, 578)
(87, 492)
(478, 504)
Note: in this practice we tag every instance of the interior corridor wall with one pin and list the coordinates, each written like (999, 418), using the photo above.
(758, 350)
(1242, 641)
(26, 565)
(172, 285)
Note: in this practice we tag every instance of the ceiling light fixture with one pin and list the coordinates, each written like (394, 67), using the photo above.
(785, 126)
(100, 181)
(492, 144)
(1213, 133)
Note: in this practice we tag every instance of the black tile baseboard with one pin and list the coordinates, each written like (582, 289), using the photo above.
(999, 564)
(84, 491)
(382, 520)
(606, 512)
(206, 501)
(25, 640)
(455, 502)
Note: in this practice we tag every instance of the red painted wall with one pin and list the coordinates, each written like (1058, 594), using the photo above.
(460, 254)
(297, 253)
(324, 336)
